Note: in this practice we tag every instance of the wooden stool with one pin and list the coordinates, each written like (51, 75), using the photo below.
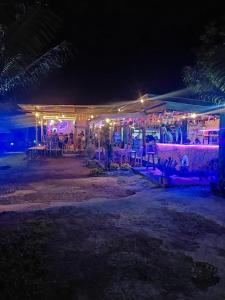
(152, 154)
(133, 155)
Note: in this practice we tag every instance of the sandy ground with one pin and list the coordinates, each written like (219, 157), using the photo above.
(65, 235)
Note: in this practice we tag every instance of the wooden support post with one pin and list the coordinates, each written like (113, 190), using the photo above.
(36, 132)
(144, 140)
(99, 144)
(75, 135)
(42, 131)
(222, 149)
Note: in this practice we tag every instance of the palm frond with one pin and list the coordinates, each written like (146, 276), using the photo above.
(36, 33)
(29, 33)
(216, 69)
(11, 66)
(50, 62)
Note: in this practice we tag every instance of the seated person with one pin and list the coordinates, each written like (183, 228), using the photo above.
(71, 138)
(197, 141)
(122, 144)
(66, 138)
(188, 142)
(136, 143)
(61, 139)
(149, 138)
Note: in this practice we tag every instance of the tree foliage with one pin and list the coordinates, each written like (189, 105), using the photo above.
(207, 77)
(29, 48)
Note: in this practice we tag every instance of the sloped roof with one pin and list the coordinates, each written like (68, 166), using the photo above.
(23, 115)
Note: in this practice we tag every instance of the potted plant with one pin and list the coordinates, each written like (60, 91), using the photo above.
(97, 172)
(125, 167)
(114, 166)
(167, 167)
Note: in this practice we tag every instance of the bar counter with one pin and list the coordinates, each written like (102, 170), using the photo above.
(198, 155)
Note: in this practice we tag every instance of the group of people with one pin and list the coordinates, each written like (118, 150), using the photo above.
(63, 141)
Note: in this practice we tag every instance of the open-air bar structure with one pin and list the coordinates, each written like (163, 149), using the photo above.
(143, 132)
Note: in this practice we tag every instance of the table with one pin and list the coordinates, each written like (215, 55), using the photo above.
(34, 152)
(122, 154)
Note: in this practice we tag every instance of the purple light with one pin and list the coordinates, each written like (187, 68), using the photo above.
(173, 146)
(215, 129)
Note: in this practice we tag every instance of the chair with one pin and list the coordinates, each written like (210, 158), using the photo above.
(139, 157)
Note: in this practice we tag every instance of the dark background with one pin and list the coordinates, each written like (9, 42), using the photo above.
(127, 48)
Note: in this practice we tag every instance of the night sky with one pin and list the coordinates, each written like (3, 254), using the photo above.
(124, 49)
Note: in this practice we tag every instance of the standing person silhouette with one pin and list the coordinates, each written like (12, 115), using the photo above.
(109, 152)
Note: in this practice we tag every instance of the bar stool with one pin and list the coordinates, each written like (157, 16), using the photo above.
(139, 158)
(152, 155)
(133, 154)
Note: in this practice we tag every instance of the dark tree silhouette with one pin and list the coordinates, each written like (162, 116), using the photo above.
(207, 76)
(207, 79)
(29, 48)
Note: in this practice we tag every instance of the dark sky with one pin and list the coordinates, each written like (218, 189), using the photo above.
(126, 48)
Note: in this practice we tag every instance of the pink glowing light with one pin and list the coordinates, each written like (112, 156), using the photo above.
(179, 146)
(212, 129)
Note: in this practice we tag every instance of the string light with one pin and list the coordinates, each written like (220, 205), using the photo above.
(193, 116)
(142, 100)
(107, 120)
(36, 114)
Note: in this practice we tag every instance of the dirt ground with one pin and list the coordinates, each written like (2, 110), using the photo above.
(66, 235)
